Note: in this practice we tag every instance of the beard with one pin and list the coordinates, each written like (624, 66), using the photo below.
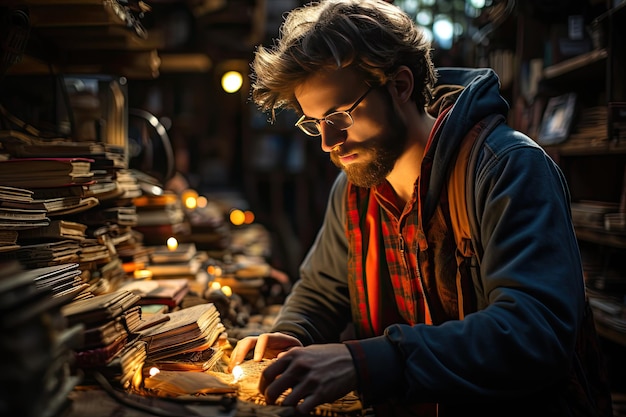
(381, 153)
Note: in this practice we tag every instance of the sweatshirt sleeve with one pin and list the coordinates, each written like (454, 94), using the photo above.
(318, 308)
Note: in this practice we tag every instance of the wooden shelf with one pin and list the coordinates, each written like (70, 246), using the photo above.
(601, 237)
(600, 148)
(578, 65)
(611, 334)
(86, 36)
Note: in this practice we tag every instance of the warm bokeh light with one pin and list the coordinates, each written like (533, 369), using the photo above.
(237, 217)
(191, 203)
(248, 217)
(189, 199)
(202, 201)
(227, 290)
(172, 243)
(142, 274)
(214, 270)
(153, 371)
(232, 81)
(215, 286)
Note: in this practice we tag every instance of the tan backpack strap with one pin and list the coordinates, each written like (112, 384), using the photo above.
(456, 197)
(460, 196)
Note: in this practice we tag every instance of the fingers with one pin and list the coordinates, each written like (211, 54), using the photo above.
(240, 351)
(261, 346)
(278, 378)
(270, 385)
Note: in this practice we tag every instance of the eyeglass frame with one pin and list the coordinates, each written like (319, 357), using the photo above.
(317, 122)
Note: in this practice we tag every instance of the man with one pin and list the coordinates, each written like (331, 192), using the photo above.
(427, 343)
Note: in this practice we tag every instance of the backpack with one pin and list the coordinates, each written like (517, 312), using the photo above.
(588, 392)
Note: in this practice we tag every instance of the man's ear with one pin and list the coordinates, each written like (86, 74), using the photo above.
(401, 86)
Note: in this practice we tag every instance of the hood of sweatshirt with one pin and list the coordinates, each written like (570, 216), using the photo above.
(473, 94)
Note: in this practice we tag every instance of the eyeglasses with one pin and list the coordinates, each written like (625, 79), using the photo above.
(340, 120)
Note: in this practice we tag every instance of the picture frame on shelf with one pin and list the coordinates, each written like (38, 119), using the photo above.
(557, 119)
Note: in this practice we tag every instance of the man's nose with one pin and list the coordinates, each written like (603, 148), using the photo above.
(331, 137)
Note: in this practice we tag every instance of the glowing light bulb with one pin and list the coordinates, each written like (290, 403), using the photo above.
(172, 243)
(153, 371)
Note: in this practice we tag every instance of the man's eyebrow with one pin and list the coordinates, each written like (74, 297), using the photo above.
(327, 112)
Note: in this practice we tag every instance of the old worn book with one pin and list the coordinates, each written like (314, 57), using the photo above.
(43, 254)
(15, 194)
(57, 230)
(103, 334)
(169, 292)
(198, 361)
(60, 206)
(190, 329)
(99, 309)
(25, 145)
(22, 215)
(45, 172)
(182, 253)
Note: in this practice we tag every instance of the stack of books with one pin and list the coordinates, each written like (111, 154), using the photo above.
(45, 172)
(108, 319)
(17, 212)
(37, 342)
(160, 217)
(182, 262)
(192, 329)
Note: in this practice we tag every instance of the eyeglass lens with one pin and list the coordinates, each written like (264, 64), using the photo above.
(339, 120)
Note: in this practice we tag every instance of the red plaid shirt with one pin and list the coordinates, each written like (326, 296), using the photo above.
(388, 289)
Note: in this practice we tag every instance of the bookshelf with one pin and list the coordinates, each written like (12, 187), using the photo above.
(592, 155)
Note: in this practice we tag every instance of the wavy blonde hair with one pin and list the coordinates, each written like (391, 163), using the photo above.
(371, 35)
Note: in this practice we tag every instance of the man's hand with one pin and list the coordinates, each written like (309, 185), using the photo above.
(317, 374)
(266, 346)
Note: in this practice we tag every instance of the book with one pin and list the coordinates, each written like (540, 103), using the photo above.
(100, 356)
(189, 329)
(22, 216)
(25, 145)
(15, 194)
(182, 253)
(100, 308)
(198, 361)
(126, 367)
(169, 292)
(45, 172)
(45, 253)
(57, 230)
(61, 206)
(100, 335)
